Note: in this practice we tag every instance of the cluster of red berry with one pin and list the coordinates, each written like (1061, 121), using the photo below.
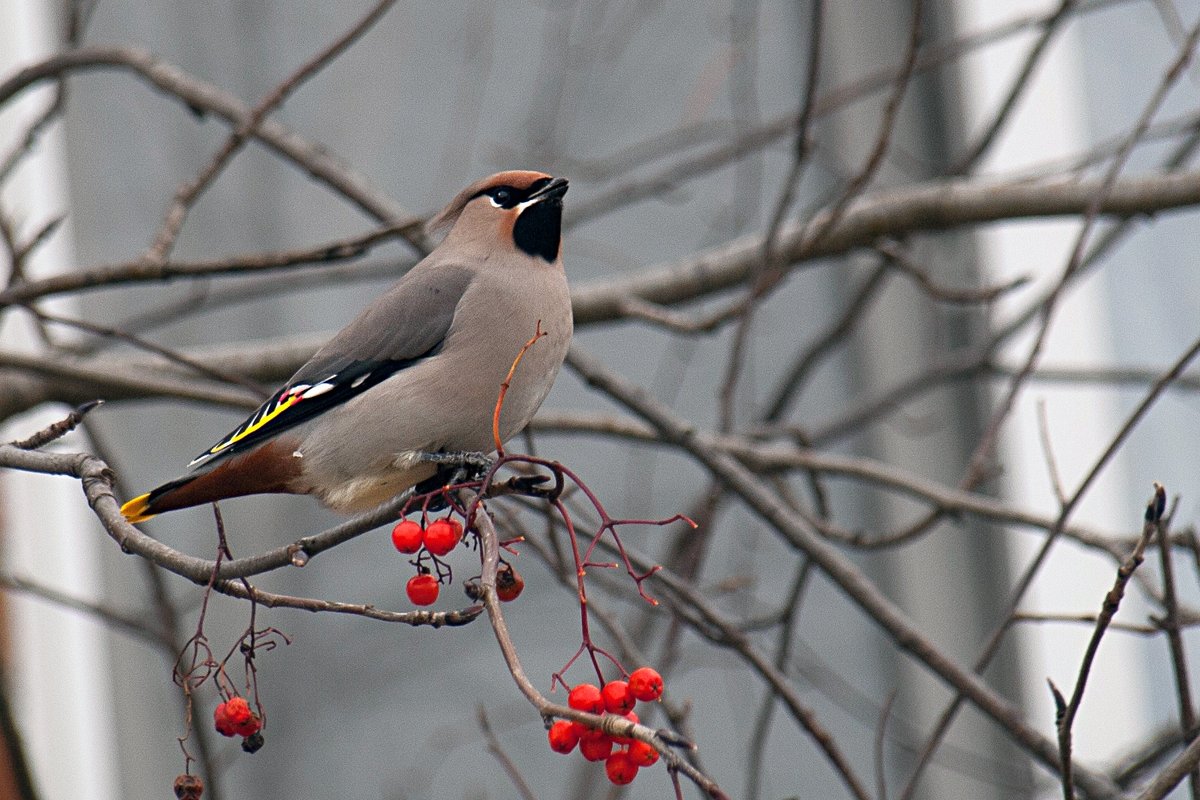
(234, 718)
(442, 536)
(621, 755)
(438, 539)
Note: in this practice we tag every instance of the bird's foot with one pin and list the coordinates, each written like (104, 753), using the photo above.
(478, 463)
(458, 467)
(531, 485)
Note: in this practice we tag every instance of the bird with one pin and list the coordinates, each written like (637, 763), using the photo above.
(417, 372)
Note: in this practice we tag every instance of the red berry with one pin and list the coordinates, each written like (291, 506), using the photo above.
(232, 715)
(407, 536)
(508, 583)
(563, 736)
(586, 697)
(620, 768)
(442, 536)
(250, 727)
(646, 684)
(422, 589)
(221, 721)
(595, 745)
(642, 754)
(617, 697)
(238, 710)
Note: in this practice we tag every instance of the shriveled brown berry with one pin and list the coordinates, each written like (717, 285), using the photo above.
(188, 787)
(509, 583)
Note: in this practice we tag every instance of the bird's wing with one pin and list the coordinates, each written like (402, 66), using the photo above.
(406, 325)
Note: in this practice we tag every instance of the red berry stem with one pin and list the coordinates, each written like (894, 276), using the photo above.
(581, 589)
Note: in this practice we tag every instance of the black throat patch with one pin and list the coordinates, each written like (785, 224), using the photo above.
(538, 230)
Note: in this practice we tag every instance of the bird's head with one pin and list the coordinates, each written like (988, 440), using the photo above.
(519, 210)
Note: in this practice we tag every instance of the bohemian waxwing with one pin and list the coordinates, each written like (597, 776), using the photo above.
(417, 372)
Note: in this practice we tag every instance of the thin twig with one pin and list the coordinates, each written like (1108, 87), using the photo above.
(1048, 454)
(783, 653)
(1027, 576)
(316, 160)
(142, 271)
(1051, 26)
(1112, 601)
(171, 355)
(496, 749)
(1147, 755)
(189, 192)
(846, 575)
(609, 723)
(815, 352)
(58, 429)
(1171, 624)
(769, 271)
(885, 714)
(983, 451)
(646, 184)
(1085, 619)
(130, 624)
(898, 258)
(1170, 776)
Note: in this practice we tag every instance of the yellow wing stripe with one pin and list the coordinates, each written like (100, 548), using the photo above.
(258, 421)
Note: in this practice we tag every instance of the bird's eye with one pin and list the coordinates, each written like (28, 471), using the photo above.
(502, 197)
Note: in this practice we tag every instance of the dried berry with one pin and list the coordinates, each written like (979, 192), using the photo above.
(508, 583)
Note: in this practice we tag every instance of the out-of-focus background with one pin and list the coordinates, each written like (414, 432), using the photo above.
(676, 123)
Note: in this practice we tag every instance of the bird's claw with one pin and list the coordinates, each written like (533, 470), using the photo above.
(529, 484)
(457, 467)
(479, 461)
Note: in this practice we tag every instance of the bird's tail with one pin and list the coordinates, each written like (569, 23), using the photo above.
(148, 505)
(138, 509)
(269, 468)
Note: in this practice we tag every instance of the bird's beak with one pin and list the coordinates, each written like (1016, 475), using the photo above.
(555, 188)
(553, 191)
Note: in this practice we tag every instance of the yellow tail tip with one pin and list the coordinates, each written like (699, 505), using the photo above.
(134, 511)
